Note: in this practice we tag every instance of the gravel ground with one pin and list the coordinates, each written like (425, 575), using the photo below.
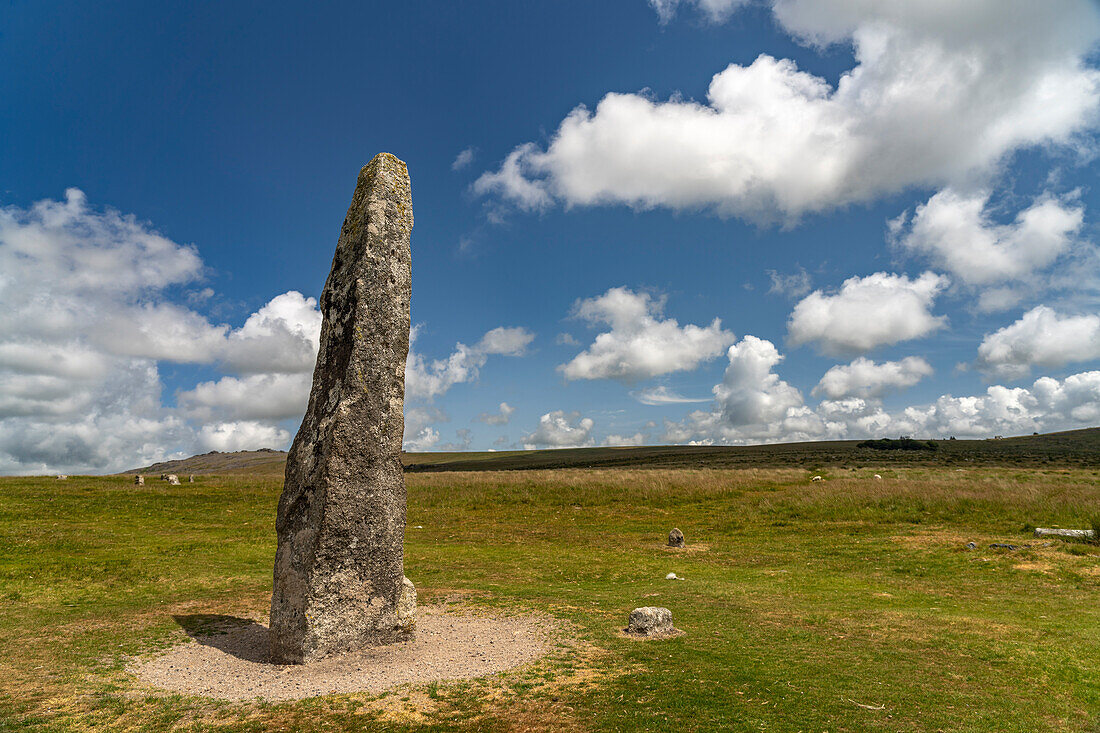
(448, 646)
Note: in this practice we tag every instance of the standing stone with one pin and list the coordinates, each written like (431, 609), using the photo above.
(173, 480)
(675, 538)
(191, 479)
(341, 518)
(139, 480)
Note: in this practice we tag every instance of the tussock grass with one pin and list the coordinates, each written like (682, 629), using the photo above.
(850, 604)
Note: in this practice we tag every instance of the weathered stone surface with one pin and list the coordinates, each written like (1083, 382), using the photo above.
(173, 479)
(650, 621)
(675, 538)
(341, 518)
(191, 479)
(139, 480)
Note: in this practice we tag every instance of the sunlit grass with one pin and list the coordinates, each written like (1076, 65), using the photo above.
(806, 606)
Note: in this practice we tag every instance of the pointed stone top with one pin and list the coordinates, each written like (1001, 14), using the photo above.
(389, 172)
(383, 195)
(387, 160)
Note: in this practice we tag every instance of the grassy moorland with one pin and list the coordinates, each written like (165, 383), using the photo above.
(1079, 448)
(850, 604)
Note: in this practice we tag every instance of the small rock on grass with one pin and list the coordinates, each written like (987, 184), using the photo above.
(650, 621)
(675, 538)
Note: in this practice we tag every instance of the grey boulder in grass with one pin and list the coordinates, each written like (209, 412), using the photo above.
(339, 566)
(650, 621)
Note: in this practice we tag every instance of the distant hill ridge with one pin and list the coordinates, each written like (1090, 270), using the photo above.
(218, 462)
(1074, 447)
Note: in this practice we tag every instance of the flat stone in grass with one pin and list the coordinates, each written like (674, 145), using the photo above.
(651, 622)
(1073, 534)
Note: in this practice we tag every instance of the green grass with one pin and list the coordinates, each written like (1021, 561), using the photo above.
(802, 602)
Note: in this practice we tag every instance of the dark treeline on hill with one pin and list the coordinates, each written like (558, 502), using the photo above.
(902, 443)
(1072, 448)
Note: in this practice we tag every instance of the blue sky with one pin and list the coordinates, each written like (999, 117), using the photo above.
(889, 208)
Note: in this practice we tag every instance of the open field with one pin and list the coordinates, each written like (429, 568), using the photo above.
(846, 605)
(1070, 448)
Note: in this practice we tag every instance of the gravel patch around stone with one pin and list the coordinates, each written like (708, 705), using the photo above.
(448, 646)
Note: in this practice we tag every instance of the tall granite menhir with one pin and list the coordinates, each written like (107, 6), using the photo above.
(341, 518)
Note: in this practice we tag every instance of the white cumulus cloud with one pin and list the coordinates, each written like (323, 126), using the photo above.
(93, 301)
(273, 396)
(560, 429)
(662, 395)
(956, 233)
(867, 379)
(427, 379)
(714, 10)
(868, 312)
(620, 441)
(640, 344)
(751, 403)
(1048, 405)
(241, 435)
(282, 336)
(500, 417)
(794, 285)
(941, 93)
(1040, 338)
(463, 159)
